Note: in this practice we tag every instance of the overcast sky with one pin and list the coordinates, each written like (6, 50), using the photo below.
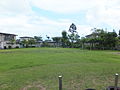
(51, 17)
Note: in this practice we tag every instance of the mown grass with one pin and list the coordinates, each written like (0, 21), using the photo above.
(80, 69)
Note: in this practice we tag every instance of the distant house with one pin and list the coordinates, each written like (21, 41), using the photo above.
(25, 38)
(8, 41)
(39, 43)
(91, 41)
(57, 41)
(24, 41)
(50, 43)
(30, 42)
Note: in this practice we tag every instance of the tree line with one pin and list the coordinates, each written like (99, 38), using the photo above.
(98, 39)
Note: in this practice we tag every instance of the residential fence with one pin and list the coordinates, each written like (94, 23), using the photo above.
(115, 87)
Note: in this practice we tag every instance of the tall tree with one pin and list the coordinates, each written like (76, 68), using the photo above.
(74, 34)
(65, 41)
(111, 39)
(83, 40)
(72, 28)
(102, 39)
(119, 35)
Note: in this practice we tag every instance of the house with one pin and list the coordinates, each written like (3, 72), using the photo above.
(50, 43)
(25, 38)
(57, 41)
(91, 41)
(8, 41)
(39, 43)
(24, 41)
(30, 42)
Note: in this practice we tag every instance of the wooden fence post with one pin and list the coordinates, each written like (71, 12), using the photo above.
(60, 82)
(116, 81)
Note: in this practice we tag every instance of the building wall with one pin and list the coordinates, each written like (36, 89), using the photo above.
(1, 37)
(5, 41)
(25, 38)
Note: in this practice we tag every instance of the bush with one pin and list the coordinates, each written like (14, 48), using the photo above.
(5, 47)
(9, 47)
(17, 47)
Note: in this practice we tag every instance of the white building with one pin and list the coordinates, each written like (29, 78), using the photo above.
(25, 38)
(8, 41)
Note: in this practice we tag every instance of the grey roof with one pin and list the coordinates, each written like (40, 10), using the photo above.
(8, 34)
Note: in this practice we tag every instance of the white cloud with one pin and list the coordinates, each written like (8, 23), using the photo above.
(16, 16)
(107, 14)
(66, 6)
(83, 30)
(14, 6)
(31, 25)
(97, 11)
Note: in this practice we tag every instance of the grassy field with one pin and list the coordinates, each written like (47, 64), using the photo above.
(39, 68)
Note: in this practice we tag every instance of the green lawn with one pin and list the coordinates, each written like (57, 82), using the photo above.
(35, 68)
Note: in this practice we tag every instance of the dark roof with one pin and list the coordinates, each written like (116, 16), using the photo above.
(8, 34)
(56, 37)
(26, 37)
(93, 34)
(89, 35)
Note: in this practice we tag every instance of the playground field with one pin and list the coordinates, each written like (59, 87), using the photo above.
(39, 68)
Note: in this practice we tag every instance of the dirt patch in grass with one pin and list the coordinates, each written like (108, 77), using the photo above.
(118, 53)
(34, 87)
